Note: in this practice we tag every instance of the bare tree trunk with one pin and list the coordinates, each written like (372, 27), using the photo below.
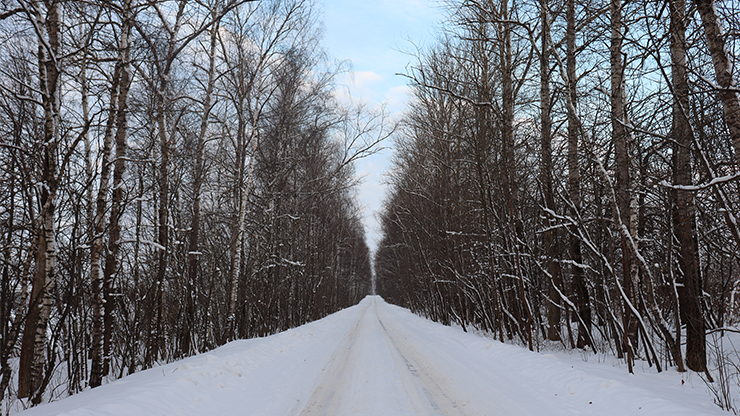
(163, 229)
(727, 85)
(551, 247)
(89, 170)
(620, 137)
(507, 137)
(238, 227)
(11, 329)
(236, 254)
(163, 108)
(30, 376)
(10, 332)
(119, 167)
(76, 385)
(684, 215)
(96, 276)
(483, 115)
(193, 251)
(574, 180)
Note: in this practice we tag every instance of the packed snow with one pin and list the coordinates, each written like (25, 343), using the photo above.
(379, 359)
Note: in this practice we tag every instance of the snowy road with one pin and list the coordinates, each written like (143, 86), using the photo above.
(384, 367)
(378, 359)
(373, 359)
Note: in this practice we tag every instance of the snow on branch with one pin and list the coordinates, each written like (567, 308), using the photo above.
(713, 182)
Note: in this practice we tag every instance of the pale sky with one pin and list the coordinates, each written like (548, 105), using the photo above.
(371, 34)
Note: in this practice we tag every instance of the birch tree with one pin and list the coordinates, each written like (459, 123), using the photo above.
(45, 20)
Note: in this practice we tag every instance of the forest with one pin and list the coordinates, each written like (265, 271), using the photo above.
(567, 174)
(174, 175)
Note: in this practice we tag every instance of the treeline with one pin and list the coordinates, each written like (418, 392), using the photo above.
(175, 175)
(568, 172)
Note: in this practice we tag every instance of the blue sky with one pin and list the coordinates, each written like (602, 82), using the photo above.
(371, 34)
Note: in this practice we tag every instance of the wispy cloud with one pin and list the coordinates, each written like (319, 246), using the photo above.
(365, 79)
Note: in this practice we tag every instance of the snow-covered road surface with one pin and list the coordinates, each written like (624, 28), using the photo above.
(377, 370)
(378, 359)
(385, 366)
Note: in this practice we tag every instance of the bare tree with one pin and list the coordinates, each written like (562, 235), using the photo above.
(726, 83)
(684, 220)
(45, 20)
(551, 247)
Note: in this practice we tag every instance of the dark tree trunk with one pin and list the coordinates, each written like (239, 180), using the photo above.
(119, 168)
(193, 247)
(551, 246)
(580, 288)
(96, 252)
(728, 88)
(620, 138)
(684, 214)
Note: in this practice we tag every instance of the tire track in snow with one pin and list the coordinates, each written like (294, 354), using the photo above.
(444, 399)
(438, 401)
(424, 392)
(323, 397)
(452, 378)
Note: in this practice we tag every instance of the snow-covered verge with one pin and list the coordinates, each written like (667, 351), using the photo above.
(375, 358)
(259, 376)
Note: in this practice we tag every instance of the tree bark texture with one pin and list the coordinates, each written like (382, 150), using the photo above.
(96, 275)
(580, 287)
(726, 84)
(186, 344)
(622, 161)
(551, 247)
(33, 352)
(119, 168)
(690, 292)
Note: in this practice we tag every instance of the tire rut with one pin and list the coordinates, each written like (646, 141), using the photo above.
(435, 388)
(426, 392)
(323, 398)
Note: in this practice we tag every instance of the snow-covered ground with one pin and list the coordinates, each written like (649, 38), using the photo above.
(378, 359)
